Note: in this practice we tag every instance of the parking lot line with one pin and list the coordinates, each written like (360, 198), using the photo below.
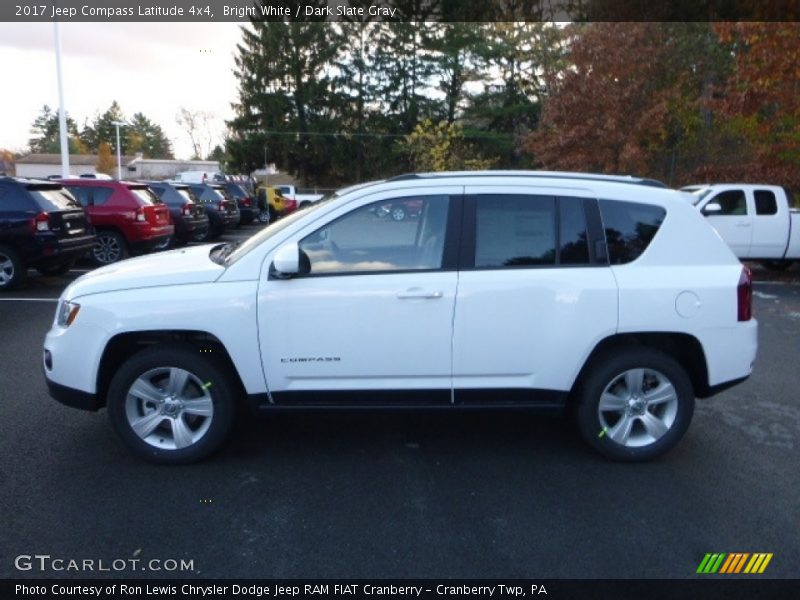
(28, 299)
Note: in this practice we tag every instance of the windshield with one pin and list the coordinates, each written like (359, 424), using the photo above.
(268, 232)
(699, 194)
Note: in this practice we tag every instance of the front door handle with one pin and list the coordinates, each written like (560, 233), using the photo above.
(419, 293)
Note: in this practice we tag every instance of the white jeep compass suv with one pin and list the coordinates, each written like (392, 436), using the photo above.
(607, 295)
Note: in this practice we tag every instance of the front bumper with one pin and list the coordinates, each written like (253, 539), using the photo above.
(72, 397)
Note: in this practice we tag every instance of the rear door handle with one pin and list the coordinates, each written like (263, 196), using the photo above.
(418, 293)
(743, 224)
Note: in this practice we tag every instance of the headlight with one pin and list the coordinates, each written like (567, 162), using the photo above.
(67, 311)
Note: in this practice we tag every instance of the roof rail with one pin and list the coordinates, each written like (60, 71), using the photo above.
(629, 179)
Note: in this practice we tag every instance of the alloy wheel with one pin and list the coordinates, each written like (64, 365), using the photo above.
(169, 408)
(638, 407)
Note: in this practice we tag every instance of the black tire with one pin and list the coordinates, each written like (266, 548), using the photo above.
(264, 217)
(159, 445)
(303, 205)
(56, 270)
(607, 374)
(776, 265)
(201, 235)
(165, 245)
(109, 248)
(12, 271)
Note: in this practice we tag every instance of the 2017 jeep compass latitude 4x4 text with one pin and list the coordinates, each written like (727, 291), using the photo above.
(609, 295)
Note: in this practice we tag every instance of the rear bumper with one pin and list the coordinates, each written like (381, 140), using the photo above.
(54, 251)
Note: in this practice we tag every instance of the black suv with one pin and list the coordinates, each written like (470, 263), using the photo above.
(220, 207)
(188, 214)
(246, 203)
(41, 226)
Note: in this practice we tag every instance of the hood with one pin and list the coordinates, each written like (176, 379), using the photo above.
(176, 267)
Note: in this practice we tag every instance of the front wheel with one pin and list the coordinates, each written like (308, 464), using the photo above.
(171, 404)
(635, 405)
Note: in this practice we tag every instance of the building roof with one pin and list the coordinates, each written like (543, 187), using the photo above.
(74, 159)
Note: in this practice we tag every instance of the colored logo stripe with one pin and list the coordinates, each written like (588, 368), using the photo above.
(721, 562)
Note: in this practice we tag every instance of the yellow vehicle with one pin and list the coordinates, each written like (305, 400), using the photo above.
(271, 202)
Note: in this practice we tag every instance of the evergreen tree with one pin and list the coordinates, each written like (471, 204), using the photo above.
(45, 134)
(104, 130)
(142, 135)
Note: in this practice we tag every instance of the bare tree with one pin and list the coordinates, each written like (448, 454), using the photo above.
(199, 126)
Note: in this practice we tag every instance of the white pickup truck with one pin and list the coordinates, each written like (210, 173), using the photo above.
(756, 221)
(300, 200)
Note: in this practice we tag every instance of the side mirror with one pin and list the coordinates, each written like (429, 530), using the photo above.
(287, 261)
(712, 208)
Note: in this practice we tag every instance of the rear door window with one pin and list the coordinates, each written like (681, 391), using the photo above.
(629, 227)
(766, 204)
(515, 231)
(12, 199)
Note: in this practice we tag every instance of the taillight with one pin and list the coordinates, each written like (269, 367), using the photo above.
(41, 222)
(187, 210)
(221, 206)
(246, 202)
(744, 295)
(140, 216)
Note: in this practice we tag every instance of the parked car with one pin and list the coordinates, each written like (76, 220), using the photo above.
(271, 203)
(41, 226)
(511, 290)
(756, 221)
(128, 217)
(246, 204)
(222, 212)
(188, 215)
(297, 201)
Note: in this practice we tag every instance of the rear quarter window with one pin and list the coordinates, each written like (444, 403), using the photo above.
(629, 228)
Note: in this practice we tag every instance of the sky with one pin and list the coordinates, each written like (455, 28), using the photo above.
(153, 68)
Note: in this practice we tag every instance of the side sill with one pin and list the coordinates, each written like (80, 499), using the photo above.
(550, 401)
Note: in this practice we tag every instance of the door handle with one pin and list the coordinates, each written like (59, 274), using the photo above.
(419, 294)
(743, 224)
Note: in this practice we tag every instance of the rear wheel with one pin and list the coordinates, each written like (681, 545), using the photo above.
(165, 245)
(635, 405)
(109, 248)
(11, 270)
(171, 404)
(398, 213)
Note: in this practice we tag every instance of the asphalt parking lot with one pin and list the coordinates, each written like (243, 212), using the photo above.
(402, 495)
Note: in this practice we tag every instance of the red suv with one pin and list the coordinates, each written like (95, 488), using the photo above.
(128, 217)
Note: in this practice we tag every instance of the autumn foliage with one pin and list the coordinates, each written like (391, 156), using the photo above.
(681, 102)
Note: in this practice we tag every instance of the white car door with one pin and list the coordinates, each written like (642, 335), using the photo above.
(733, 223)
(534, 295)
(371, 319)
